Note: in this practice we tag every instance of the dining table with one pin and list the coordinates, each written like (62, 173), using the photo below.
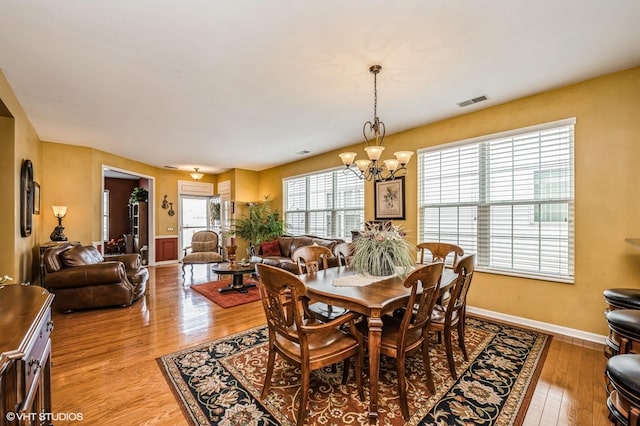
(370, 296)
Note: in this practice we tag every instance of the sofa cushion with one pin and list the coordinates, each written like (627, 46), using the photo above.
(81, 255)
(271, 248)
(300, 242)
(285, 245)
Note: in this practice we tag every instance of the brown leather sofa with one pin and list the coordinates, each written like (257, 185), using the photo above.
(288, 244)
(81, 278)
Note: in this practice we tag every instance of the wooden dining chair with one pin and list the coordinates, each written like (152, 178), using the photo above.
(434, 251)
(301, 340)
(344, 253)
(402, 337)
(453, 314)
(311, 259)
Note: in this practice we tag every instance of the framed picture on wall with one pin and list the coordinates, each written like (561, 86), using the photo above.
(36, 198)
(389, 199)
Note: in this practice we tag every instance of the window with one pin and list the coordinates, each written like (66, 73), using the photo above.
(326, 204)
(508, 197)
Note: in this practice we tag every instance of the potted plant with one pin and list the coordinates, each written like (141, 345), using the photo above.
(138, 194)
(261, 224)
(382, 251)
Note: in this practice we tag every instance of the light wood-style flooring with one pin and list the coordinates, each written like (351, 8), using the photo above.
(105, 368)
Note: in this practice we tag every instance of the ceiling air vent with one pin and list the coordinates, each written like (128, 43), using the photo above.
(303, 152)
(472, 101)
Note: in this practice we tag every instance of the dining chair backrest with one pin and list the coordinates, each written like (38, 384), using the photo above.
(424, 282)
(464, 268)
(281, 293)
(311, 258)
(344, 253)
(439, 251)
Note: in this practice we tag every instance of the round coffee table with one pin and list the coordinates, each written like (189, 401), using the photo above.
(237, 271)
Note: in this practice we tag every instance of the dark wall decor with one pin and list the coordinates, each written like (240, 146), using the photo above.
(389, 199)
(26, 198)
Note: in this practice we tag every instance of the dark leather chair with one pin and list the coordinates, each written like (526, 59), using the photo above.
(308, 344)
(622, 298)
(623, 386)
(624, 332)
(81, 278)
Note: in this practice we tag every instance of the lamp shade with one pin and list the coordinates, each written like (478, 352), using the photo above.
(59, 211)
(196, 175)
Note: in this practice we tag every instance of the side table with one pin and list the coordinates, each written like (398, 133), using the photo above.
(237, 271)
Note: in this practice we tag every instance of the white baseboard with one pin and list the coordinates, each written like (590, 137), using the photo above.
(552, 328)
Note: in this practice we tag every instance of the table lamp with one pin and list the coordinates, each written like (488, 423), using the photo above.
(58, 232)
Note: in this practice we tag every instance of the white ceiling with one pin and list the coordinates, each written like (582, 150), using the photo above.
(223, 84)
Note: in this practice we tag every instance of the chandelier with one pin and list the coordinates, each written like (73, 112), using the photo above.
(373, 168)
(196, 175)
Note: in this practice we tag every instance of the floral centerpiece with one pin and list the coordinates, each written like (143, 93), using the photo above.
(382, 251)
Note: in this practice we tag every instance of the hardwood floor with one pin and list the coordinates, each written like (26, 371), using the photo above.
(105, 369)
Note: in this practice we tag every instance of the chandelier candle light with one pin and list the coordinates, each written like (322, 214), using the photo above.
(196, 175)
(374, 132)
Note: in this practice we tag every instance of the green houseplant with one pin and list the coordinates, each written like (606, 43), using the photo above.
(262, 223)
(382, 251)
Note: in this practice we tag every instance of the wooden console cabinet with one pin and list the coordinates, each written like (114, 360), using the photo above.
(25, 355)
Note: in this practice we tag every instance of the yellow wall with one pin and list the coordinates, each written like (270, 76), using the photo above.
(607, 151)
(607, 206)
(78, 185)
(18, 141)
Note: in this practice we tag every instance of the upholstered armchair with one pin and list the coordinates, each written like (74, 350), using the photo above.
(204, 249)
(81, 278)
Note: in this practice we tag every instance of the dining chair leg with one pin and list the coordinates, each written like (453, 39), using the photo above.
(267, 380)
(345, 370)
(402, 386)
(426, 365)
(304, 396)
(461, 338)
(358, 374)
(449, 350)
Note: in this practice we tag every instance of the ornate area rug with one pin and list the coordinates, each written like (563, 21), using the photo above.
(230, 298)
(220, 383)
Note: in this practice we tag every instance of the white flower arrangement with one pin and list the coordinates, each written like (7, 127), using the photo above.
(5, 279)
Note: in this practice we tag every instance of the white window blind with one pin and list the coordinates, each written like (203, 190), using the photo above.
(325, 204)
(507, 197)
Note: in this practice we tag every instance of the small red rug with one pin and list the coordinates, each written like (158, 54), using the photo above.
(230, 298)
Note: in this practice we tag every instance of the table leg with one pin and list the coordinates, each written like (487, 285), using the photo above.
(237, 285)
(375, 337)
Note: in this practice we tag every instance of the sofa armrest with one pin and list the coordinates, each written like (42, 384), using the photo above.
(132, 261)
(86, 275)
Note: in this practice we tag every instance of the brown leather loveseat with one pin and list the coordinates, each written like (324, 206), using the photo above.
(279, 254)
(81, 278)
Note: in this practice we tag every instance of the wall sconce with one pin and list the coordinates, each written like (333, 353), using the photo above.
(196, 175)
(58, 232)
(165, 203)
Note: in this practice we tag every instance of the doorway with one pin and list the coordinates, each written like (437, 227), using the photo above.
(198, 213)
(126, 228)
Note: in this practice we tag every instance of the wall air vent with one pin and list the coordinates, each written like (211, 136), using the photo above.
(472, 101)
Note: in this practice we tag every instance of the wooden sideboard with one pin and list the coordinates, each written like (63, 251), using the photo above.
(25, 355)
